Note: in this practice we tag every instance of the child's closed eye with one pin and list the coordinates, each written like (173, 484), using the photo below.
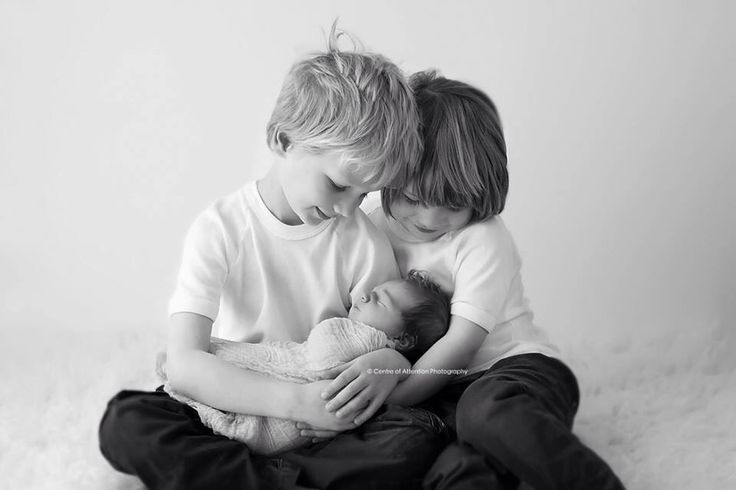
(338, 188)
(378, 300)
(411, 200)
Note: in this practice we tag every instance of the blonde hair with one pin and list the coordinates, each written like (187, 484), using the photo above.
(353, 101)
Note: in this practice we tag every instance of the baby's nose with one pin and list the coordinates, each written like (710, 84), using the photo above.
(364, 298)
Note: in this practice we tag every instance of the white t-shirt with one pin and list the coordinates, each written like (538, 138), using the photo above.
(480, 267)
(260, 279)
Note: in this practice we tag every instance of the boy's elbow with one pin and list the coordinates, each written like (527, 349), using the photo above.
(177, 364)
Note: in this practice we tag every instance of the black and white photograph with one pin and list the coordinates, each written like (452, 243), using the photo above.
(324, 245)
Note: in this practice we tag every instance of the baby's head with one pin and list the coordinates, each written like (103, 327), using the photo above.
(413, 312)
(355, 104)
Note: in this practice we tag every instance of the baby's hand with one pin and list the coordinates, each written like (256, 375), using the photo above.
(362, 388)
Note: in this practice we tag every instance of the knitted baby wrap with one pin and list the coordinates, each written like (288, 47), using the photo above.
(331, 343)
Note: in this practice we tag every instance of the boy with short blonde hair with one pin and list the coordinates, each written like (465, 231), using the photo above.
(336, 101)
(268, 262)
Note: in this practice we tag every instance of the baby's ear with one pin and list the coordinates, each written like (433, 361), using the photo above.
(406, 341)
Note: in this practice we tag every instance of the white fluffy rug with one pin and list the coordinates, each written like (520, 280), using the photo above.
(662, 412)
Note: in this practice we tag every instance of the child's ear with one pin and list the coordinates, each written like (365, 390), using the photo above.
(406, 341)
(282, 142)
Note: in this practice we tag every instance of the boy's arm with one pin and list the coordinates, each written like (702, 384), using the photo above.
(453, 351)
(194, 372)
(486, 266)
(371, 379)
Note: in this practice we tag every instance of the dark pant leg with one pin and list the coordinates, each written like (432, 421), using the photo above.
(393, 450)
(164, 443)
(459, 465)
(519, 416)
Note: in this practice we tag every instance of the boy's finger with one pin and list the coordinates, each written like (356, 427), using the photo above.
(367, 413)
(337, 385)
(332, 373)
(351, 409)
(322, 434)
(345, 395)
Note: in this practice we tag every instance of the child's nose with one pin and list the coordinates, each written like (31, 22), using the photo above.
(348, 204)
(364, 298)
(345, 209)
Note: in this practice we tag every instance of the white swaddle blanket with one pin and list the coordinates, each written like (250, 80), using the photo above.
(331, 343)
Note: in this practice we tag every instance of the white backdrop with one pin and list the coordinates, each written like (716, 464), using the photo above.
(120, 120)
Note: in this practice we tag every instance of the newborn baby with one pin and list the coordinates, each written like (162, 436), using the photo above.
(408, 315)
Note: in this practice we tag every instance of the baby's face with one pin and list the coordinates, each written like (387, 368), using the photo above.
(382, 307)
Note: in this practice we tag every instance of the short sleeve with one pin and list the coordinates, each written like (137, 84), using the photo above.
(204, 267)
(486, 266)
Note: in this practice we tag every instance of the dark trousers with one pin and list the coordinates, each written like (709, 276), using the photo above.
(514, 424)
(164, 443)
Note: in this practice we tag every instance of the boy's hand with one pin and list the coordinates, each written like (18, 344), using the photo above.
(359, 391)
(312, 411)
(334, 372)
(317, 434)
